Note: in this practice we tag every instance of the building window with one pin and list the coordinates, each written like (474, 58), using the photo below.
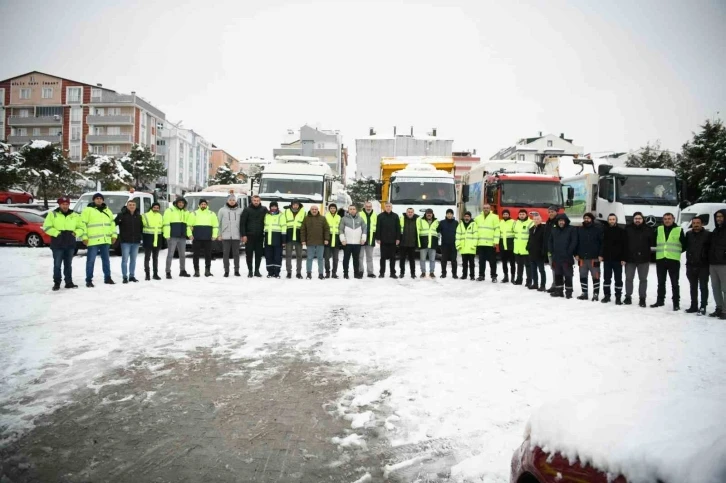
(2, 97)
(113, 130)
(75, 133)
(24, 113)
(25, 93)
(96, 94)
(21, 131)
(76, 114)
(76, 152)
(114, 111)
(47, 93)
(97, 149)
(99, 131)
(74, 95)
(99, 111)
(36, 131)
(520, 157)
(549, 143)
(48, 111)
(113, 149)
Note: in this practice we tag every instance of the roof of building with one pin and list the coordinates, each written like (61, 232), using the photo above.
(59, 77)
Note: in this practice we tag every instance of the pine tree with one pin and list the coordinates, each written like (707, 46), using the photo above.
(12, 173)
(109, 171)
(652, 156)
(362, 190)
(144, 166)
(45, 166)
(704, 163)
(224, 175)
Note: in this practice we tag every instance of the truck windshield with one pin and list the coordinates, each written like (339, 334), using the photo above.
(531, 193)
(650, 190)
(429, 193)
(289, 188)
(113, 202)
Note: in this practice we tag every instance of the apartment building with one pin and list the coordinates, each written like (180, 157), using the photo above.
(186, 156)
(313, 141)
(220, 157)
(538, 149)
(81, 118)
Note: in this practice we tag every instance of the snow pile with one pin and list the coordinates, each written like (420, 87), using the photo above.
(37, 144)
(644, 439)
(109, 168)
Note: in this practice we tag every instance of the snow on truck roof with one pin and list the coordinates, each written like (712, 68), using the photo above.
(642, 171)
(417, 160)
(672, 440)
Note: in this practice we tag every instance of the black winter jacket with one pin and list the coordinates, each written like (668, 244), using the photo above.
(388, 228)
(697, 252)
(717, 250)
(589, 241)
(409, 235)
(549, 226)
(638, 241)
(613, 246)
(447, 228)
(252, 221)
(537, 243)
(130, 226)
(563, 241)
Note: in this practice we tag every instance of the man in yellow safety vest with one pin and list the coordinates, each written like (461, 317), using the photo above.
(670, 242)
(153, 226)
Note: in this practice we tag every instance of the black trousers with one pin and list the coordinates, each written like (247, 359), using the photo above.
(448, 253)
(613, 269)
(388, 252)
(273, 259)
(668, 268)
(153, 254)
(536, 267)
(253, 248)
(331, 252)
(507, 256)
(487, 254)
(523, 266)
(348, 252)
(563, 276)
(205, 247)
(698, 278)
(410, 254)
(467, 261)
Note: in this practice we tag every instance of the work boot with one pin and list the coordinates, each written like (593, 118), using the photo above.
(658, 303)
(56, 286)
(394, 276)
(596, 297)
(431, 275)
(557, 293)
(568, 294)
(506, 278)
(321, 276)
(413, 275)
(676, 306)
(157, 277)
(109, 281)
(583, 296)
(692, 309)
(258, 274)
(208, 273)
(133, 279)
(641, 303)
(125, 280)
(334, 275)
(310, 276)
(423, 275)
(237, 274)
(702, 311)
(542, 287)
(196, 273)
(299, 276)
(716, 313)
(345, 275)
(327, 274)
(289, 274)
(147, 276)
(168, 275)
(605, 299)
(532, 286)
(628, 300)
(454, 276)
(370, 275)
(494, 279)
(71, 285)
(184, 274)
(250, 274)
(617, 300)
(480, 279)
(89, 284)
(226, 274)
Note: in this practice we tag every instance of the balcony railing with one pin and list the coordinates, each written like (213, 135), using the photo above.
(112, 98)
(19, 140)
(114, 120)
(109, 138)
(35, 121)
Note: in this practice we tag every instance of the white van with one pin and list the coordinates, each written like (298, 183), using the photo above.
(704, 210)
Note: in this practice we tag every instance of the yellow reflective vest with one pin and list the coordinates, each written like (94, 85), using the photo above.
(506, 235)
(98, 226)
(521, 236)
(371, 222)
(669, 248)
(204, 224)
(55, 223)
(275, 228)
(467, 238)
(428, 233)
(176, 223)
(153, 225)
(294, 223)
(334, 223)
(488, 227)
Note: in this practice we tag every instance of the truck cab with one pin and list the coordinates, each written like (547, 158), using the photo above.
(216, 197)
(302, 178)
(421, 186)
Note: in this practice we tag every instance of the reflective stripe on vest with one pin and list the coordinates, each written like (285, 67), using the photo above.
(334, 224)
(370, 224)
(274, 224)
(521, 236)
(427, 230)
(295, 222)
(671, 248)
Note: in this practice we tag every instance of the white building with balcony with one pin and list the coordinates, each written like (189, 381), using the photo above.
(186, 155)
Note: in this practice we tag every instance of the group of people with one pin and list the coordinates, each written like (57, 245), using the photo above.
(525, 244)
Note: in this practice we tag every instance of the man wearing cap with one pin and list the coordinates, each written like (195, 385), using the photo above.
(229, 221)
(131, 227)
(99, 233)
(447, 231)
(549, 224)
(366, 251)
(332, 250)
(294, 217)
(488, 238)
(205, 228)
(506, 245)
(63, 225)
(275, 231)
(176, 232)
(153, 227)
(589, 250)
(251, 228)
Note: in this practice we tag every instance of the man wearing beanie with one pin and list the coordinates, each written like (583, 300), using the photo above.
(205, 228)
(229, 220)
(176, 232)
(153, 226)
(447, 230)
(275, 234)
(506, 245)
(99, 233)
(588, 254)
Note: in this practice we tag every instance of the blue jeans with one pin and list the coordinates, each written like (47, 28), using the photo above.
(431, 253)
(62, 256)
(91, 253)
(316, 251)
(128, 257)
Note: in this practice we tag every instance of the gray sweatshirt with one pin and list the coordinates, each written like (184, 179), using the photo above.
(352, 230)
(229, 222)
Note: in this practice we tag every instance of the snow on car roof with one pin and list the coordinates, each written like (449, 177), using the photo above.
(646, 439)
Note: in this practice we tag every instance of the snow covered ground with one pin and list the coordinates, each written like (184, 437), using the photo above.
(465, 363)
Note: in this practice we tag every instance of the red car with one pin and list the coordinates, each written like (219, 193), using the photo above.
(24, 227)
(15, 196)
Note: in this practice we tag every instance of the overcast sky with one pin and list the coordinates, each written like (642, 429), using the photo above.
(611, 75)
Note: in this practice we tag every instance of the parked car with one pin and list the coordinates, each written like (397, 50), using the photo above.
(23, 227)
(705, 211)
(15, 196)
(24, 206)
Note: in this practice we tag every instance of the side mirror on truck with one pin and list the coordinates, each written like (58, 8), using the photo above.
(490, 197)
(465, 193)
(570, 194)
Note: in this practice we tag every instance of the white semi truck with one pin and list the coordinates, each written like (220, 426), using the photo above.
(421, 186)
(623, 191)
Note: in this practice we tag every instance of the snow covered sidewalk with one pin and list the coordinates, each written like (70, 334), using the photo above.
(466, 362)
